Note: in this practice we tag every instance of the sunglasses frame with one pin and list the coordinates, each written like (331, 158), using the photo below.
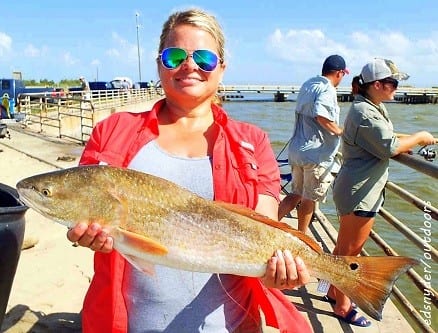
(193, 55)
(390, 81)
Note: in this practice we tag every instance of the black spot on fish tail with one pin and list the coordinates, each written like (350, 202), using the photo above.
(370, 280)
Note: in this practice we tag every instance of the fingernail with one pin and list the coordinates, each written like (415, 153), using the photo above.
(287, 254)
(299, 261)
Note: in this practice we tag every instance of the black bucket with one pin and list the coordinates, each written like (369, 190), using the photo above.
(4, 133)
(12, 224)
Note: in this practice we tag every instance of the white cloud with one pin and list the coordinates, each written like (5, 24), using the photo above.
(119, 40)
(360, 38)
(123, 50)
(303, 46)
(416, 56)
(113, 53)
(34, 52)
(69, 60)
(5, 43)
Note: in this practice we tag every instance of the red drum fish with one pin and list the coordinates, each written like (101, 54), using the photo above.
(154, 221)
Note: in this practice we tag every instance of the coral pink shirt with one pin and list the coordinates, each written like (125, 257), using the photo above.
(242, 159)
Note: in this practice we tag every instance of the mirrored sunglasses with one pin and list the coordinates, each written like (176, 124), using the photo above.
(393, 82)
(172, 57)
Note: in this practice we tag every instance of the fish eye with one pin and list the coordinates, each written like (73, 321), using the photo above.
(46, 192)
(354, 266)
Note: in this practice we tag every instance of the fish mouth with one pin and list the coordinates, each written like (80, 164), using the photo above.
(24, 191)
(24, 200)
(31, 200)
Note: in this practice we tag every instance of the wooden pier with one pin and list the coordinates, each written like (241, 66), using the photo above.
(283, 93)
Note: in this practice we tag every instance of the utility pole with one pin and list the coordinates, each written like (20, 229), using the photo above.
(138, 46)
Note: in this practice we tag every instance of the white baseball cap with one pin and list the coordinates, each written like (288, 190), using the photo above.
(379, 69)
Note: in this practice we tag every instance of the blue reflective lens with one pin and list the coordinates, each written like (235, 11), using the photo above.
(205, 59)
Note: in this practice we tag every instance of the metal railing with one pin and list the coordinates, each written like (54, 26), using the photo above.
(325, 232)
(431, 213)
(282, 93)
(75, 114)
(296, 88)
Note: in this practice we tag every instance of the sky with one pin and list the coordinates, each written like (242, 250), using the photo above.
(267, 42)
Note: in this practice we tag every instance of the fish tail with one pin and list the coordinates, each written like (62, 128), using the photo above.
(374, 281)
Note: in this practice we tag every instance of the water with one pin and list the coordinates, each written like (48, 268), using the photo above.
(277, 119)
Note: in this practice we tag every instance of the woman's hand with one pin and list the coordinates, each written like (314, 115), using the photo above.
(285, 272)
(407, 142)
(92, 236)
(426, 138)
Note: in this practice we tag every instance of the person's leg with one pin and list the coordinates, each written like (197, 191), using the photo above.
(290, 201)
(311, 194)
(288, 204)
(353, 233)
(305, 214)
(317, 180)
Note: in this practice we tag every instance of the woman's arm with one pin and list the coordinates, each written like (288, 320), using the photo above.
(406, 143)
(268, 206)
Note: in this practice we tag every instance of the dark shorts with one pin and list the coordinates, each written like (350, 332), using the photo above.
(364, 213)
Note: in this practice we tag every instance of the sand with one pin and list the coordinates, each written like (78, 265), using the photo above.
(52, 276)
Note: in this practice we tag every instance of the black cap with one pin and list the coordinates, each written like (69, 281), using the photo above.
(334, 63)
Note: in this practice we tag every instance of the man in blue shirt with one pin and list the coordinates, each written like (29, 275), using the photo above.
(315, 141)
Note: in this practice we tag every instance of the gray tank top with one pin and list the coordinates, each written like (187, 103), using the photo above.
(176, 301)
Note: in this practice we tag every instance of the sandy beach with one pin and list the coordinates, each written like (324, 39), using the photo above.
(52, 276)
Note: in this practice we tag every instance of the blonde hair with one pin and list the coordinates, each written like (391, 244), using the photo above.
(199, 19)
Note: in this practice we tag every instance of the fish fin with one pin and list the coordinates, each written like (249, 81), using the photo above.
(374, 280)
(142, 243)
(142, 265)
(242, 210)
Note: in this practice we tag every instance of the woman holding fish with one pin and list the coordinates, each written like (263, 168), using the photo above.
(191, 141)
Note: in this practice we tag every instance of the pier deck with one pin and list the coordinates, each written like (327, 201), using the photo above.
(320, 314)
